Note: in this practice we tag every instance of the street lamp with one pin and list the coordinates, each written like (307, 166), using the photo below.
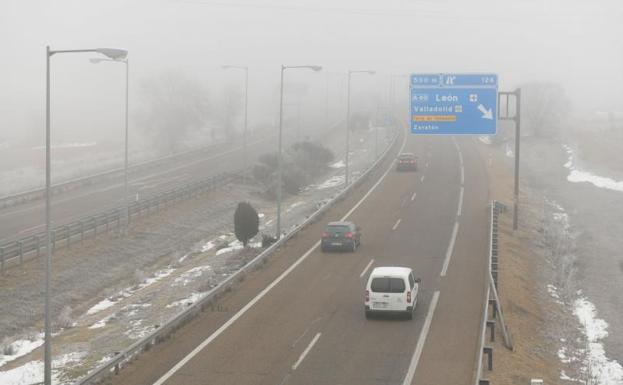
(280, 161)
(246, 91)
(112, 53)
(350, 72)
(125, 166)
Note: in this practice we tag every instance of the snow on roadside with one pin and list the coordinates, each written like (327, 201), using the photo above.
(193, 298)
(21, 348)
(188, 276)
(485, 139)
(595, 362)
(334, 181)
(579, 176)
(128, 292)
(32, 372)
(338, 164)
(605, 370)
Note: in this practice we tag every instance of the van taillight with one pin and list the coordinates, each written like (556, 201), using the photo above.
(409, 297)
(325, 235)
(367, 296)
(349, 235)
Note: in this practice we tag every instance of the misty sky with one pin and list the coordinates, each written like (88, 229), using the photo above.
(576, 43)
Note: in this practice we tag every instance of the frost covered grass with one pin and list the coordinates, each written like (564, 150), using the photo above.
(32, 372)
(582, 348)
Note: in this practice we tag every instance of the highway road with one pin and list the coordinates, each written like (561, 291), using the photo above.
(28, 218)
(300, 320)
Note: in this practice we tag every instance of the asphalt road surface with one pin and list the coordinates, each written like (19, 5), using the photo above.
(28, 219)
(300, 319)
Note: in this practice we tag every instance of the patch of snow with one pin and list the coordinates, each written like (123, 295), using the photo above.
(607, 371)
(32, 372)
(193, 298)
(509, 151)
(101, 305)
(294, 205)
(157, 277)
(232, 247)
(21, 348)
(208, 246)
(101, 323)
(579, 176)
(137, 330)
(338, 164)
(334, 181)
(128, 292)
(485, 139)
(187, 277)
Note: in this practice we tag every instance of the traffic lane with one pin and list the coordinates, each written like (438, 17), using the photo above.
(23, 220)
(331, 285)
(262, 346)
(456, 325)
(27, 219)
(353, 350)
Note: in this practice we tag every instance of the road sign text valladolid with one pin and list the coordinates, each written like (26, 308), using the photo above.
(454, 104)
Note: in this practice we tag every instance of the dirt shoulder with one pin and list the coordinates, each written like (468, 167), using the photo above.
(527, 306)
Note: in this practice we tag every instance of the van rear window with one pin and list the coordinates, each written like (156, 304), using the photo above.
(387, 285)
(337, 229)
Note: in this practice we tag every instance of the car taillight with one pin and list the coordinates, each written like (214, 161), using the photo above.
(413, 162)
(348, 235)
(409, 297)
(325, 235)
(367, 296)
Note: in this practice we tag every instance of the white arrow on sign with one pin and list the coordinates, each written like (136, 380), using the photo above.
(486, 113)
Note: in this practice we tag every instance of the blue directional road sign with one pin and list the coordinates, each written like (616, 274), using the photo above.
(454, 104)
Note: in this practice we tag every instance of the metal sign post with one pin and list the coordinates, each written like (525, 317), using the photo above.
(516, 117)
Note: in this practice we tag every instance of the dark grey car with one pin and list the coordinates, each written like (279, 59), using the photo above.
(341, 236)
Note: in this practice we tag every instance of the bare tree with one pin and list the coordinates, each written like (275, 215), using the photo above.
(544, 107)
(174, 106)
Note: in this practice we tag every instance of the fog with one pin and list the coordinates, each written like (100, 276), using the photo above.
(574, 43)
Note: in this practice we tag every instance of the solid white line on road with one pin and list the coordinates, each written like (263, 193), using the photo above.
(366, 269)
(446, 262)
(397, 224)
(422, 178)
(413, 197)
(460, 210)
(427, 164)
(268, 288)
(462, 175)
(306, 351)
(421, 339)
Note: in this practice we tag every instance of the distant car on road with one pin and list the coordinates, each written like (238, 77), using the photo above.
(341, 236)
(407, 161)
(391, 290)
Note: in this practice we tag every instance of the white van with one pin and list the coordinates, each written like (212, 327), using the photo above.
(391, 290)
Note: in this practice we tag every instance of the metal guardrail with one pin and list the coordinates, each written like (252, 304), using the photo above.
(491, 299)
(39, 193)
(161, 333)
(102, 222)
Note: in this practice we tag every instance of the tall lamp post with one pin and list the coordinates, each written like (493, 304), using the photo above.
(112, 53)
(246, 98)
(350, 72)
(280, 160)
(125, 161)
